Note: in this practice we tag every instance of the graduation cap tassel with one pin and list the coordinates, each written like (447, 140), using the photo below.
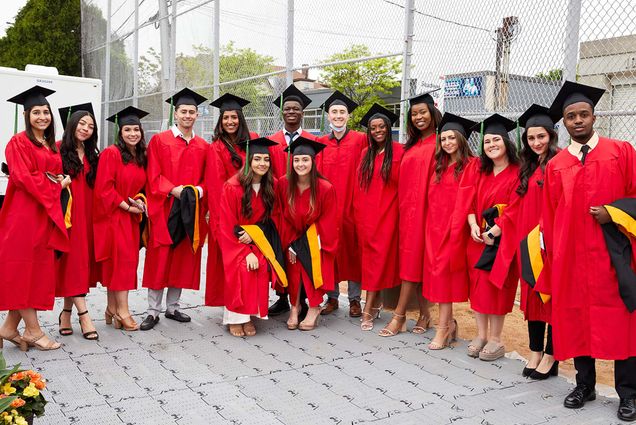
(247, 158)
(68, 115)
(115, 138)
(481, 137)
(15, 120)
(322, 119)
(170, 116)
(281, 107)
(518, 137)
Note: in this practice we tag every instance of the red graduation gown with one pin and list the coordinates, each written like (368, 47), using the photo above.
(117, 244)
(376, 214)
(218, 169)
(521, 216)
(415, 170)
(293, 224)
(172, 162)
(77, 269)
(478, 192)
(31, 227)
(440, 284)
(278, 154)
(588, 315)
(245, 292)
(338, 162)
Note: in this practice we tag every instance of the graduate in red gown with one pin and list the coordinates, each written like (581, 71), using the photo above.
(309, 231)
(338, 162)
(415, 171)
(225, 159)
(376, 211)
(119, 209)
(590, 316)
(252, 251)
(539, 145)
(292, 102)
(32, 225)
(77, 270)
(485, 189)
(439, 283)
(176, 170)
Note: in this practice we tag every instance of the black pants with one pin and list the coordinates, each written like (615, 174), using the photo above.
(536, 333)
(624, 375)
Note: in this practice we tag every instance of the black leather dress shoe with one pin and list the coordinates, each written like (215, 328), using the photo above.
(178, 316)
(577, 398)
(279, 307)
(627, 410)
(149, 322)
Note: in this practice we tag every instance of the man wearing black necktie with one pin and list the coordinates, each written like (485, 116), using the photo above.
(591, 318)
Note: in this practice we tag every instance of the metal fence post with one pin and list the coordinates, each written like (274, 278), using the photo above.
(409, 10)
(571, 48)
(106, 77)
(289, 48)
(135, 100)
(216, 66)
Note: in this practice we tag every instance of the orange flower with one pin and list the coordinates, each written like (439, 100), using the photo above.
(39, 384)
(33, 375)
(17, 403)
(17, 376)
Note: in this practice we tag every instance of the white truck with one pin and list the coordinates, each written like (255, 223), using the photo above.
(68, 91)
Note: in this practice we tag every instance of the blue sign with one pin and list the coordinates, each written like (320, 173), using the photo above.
(463, 87)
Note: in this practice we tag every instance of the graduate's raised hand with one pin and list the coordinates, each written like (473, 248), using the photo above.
(475, 233)
(600, 214)
(244, 238)
(252, 262)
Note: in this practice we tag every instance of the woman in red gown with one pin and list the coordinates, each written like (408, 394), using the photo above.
(485, 189)
(309, 231)
(77, 270)
(376, 210)
(415, 171)
(225, 158)
(32, 226)
(247, 207)
(440, 284)
(539, 143)
(119, 209)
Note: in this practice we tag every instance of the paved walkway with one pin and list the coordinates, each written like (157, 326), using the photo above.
(196, 373)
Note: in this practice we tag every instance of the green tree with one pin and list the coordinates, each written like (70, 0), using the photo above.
(362, 81)
(45, 32)
(551, 75)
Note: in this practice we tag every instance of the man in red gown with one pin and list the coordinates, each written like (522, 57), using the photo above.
(590, 317)
(176, 158)
(338, 162)
(292, 103)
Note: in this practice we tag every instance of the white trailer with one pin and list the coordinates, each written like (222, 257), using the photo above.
(68, 91)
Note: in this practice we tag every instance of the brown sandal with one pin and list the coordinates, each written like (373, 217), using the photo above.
(108, 316)
(249, 329)
(400, 319)
(475, 346)
(236, 330)
(14, 339)
(422, 325)
(492, 351)
(127, 323)
(450, 336)
(33, 342)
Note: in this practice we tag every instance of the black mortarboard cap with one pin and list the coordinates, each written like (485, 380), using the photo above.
(292, 93)
(423, 98)
(186, 97)
(496, 124)
(538, 116)
(337, 98)
(230, 102)
(377, 109)
(457, 123)
(571, 93)
(128, 116)
(259, 145)
(35, 96)
(303, 146)
(66, 112)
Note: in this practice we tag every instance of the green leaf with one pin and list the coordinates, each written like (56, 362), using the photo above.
(5, 403)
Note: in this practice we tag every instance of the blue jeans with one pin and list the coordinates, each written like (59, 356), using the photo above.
(353, 291)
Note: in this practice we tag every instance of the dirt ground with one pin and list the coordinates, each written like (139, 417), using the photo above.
(515, 337)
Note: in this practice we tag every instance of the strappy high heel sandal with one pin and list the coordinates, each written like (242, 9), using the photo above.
(34, 342)
(64, 331)
(90, 335)
(14, 339)
(108, 317)
(127, 323)
(422, 325)
(400, 318)
(450, 336)
(366, 324)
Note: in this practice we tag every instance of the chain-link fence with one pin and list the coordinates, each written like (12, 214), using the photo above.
(484, 57)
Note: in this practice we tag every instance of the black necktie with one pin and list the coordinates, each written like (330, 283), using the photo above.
(292, 135)
(584, 150)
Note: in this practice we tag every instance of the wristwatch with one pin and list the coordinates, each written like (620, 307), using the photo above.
(490, 235)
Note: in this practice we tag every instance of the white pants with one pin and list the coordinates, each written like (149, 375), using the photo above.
(155, 297)
(232, 318)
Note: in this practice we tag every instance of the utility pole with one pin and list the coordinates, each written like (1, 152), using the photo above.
(505, 35)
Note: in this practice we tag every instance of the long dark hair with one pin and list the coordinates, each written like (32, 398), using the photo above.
(487, 164)
(413, 135)
(266, 190)
(71, 162)
(49, 133)
(140, 157)
(366, 165)
(442, 159)
(530, 160)
(292, 177)
(242, 134)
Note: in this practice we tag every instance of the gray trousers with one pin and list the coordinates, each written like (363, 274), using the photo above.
(353, 291)
(155, 297)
